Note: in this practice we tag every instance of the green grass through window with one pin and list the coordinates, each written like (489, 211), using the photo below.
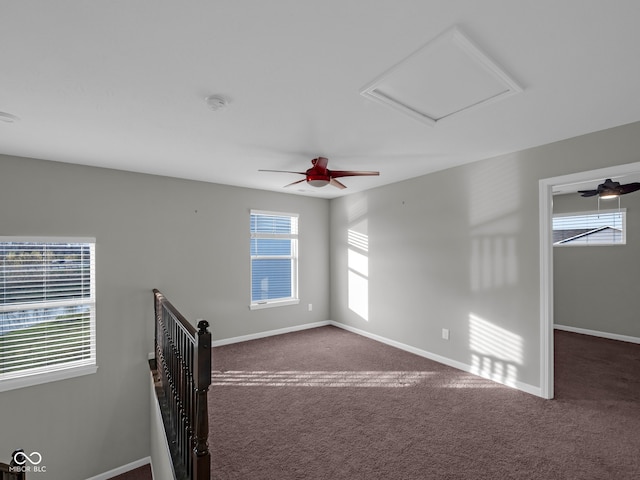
(66, 339)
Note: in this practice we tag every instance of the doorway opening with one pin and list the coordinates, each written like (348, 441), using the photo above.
(547, 187)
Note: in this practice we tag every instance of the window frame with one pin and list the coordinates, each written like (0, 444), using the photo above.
(60, 371)
(565, 243)
(293, 257)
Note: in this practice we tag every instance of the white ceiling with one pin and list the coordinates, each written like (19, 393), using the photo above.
(121, 84)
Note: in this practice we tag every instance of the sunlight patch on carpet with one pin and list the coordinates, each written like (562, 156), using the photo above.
(470, 382)
(318, 379)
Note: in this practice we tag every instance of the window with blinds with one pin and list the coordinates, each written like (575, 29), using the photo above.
(607, 227)
(47, 310)
(274, 258)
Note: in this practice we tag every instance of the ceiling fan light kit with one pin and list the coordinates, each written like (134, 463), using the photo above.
(317, 182)
(608, 190)
(609, 196)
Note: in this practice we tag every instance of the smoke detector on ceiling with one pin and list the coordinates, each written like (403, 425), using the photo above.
(216, 102)
(8, 118)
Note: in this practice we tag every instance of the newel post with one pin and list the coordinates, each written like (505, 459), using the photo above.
(201, 455)
(157, 313)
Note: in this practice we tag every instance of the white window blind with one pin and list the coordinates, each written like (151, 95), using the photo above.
(607, 227)
(47, 308)
(274, 258)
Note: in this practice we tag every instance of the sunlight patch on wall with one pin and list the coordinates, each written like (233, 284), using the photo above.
(358, 269)
(358, 262)
(358, 240)
(394, 379)
(495, 351)
(359, 295)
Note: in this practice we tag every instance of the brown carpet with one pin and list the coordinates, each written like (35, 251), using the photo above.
(329, 404)
(140, 473)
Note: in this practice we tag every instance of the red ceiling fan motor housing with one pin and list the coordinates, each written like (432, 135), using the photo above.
(319, 175)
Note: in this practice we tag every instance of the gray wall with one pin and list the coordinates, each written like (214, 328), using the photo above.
(190, 240)
(459, 249)
(598, 287)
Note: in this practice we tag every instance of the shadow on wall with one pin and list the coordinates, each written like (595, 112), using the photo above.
(494, 198)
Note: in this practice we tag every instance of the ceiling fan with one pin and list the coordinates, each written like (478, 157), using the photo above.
(319, 175)
(611, 189)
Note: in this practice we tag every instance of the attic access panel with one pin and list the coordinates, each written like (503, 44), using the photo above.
(446, 76)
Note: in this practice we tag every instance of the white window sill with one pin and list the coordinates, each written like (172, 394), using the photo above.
(274, 303)
(46, 377)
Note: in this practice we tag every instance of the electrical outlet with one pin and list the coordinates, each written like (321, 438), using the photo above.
(310, 306)
(445, 333)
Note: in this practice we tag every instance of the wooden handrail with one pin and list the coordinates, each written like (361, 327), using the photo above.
(183, 366)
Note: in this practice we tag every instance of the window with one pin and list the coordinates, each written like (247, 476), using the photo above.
(274, 259)
(47, 310)
(607, 227)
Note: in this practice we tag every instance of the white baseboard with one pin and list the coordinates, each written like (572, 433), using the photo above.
(123, 469)
(596, 333)
(269, 333)
(525, 387)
